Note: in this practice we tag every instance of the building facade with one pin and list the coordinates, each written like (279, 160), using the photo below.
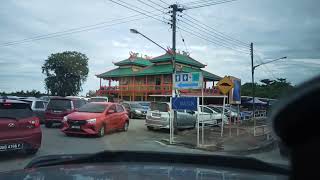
(150, 79)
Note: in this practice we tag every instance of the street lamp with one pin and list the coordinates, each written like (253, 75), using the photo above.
(253, 85)
(137, 32)
(174, 72)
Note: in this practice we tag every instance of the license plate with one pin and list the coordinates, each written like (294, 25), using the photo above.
(156, 114)
(57, 111)
(75, 127)
(8, 147)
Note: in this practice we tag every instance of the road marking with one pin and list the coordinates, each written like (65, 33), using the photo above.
(161, 143)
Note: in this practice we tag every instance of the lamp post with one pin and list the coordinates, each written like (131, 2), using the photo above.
(137, 32)
(253, 67)
(174, 72)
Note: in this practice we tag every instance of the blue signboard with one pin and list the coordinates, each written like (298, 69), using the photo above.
(184, 103)
(192, 80)
(235, 93)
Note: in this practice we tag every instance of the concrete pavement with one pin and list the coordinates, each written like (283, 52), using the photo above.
(137, 138)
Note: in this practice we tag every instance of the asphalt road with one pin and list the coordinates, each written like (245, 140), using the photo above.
(137, 138)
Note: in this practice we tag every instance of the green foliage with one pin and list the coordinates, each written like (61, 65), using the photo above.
(33, 93)
(268, 88)
(65, 72)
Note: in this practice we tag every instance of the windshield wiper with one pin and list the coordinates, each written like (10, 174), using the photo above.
(245, 163)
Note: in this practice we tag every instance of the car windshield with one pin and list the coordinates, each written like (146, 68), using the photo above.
(93, 108)
(136, 105)
(59, 104)
(148, 60)
(98, 100)
(15, 111)
(162, 107)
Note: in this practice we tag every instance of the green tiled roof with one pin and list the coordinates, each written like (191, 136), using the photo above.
(184, 59)
(138, 61)
(154, 70)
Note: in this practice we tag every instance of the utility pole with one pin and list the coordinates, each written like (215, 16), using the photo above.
(253, 89)
(175, 9)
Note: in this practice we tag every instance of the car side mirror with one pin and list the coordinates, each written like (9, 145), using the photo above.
(110, 111)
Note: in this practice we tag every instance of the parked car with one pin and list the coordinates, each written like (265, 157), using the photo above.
(99, 99)
(211, 116)
(96, 118)
(38, 107)
(45, 98)
(58, 107)
(135, 110)
(145, 104)
(19, 127)
(159, 114)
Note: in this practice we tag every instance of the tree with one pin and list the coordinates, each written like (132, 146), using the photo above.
(65, 72)
(268, 88)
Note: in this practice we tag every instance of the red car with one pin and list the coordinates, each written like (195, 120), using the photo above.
(96, 118)
(19, 127)
(58, 107)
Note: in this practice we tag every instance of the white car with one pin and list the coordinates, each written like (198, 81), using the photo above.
(209, 116)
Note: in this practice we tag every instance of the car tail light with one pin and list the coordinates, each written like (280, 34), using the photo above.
(34, 123)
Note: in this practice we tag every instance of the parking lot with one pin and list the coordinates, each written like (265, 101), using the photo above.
(136, 138)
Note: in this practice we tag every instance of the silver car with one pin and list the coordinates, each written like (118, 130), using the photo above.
(37, 106)
(159, 114)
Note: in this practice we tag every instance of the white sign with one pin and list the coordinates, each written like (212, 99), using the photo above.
(188, 80)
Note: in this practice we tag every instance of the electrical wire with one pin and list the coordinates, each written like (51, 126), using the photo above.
(208, 4)
(75, 30)
(198, 2)
(131, 7)
(183, 40)
(208, 35)
(189, 31)
(144, 3)
(216, 31)
(214, 35)
(164, 2)
(158, 4)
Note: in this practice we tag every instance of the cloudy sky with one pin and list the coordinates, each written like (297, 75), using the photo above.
(100, 29)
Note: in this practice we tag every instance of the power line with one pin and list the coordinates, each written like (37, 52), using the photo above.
(164, 2)
(211, 36)
(265, 67)
(74, 30)
(183, 40)
(157, 4)
(144, 3)
(197, 2)
(133, 9)
(189, 31)
(209, 4)
(218, 32)
(215, 35)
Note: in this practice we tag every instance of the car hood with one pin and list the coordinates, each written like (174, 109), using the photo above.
(135, 171)
(84, 115)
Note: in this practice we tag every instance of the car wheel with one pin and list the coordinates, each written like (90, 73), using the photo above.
(101, 131)
(31, 151)
(150, 128)
(48, 124)
(126, 126)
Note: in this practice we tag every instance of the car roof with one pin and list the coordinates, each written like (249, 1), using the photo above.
(106, 103)
(12, 101)
(99, 97)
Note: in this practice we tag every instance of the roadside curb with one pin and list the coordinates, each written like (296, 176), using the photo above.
(264, 147)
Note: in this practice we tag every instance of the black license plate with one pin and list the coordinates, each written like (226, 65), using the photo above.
(9, 147)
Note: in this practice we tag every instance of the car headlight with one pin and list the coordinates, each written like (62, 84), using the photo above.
(137, 111)
(65, 119)
(91, 121)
